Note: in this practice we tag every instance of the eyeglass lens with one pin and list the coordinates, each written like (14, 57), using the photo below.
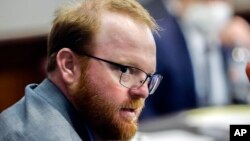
(130, 81)
(154, 83)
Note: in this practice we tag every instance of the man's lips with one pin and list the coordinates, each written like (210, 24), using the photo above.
(131, 110)
(130, 113)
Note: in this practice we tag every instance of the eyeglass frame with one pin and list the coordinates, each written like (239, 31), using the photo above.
(126, 66)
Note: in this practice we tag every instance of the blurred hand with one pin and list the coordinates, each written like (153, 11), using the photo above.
(248, 70)
(236, 32)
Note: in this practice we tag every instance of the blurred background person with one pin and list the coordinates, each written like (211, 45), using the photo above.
(236, 37)
(191, 55)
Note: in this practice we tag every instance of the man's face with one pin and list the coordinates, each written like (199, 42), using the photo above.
(111, 109)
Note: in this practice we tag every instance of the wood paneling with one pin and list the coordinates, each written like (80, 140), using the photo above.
(22, 63)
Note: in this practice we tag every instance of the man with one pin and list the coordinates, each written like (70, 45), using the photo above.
(189, 55)
(102, 59)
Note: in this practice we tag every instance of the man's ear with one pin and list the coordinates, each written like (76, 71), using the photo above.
(67, 65)
(248, 70)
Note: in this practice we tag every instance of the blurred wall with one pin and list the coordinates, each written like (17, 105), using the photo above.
(24, 26)
(19, 18)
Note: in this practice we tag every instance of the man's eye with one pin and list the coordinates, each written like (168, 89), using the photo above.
(125, 69)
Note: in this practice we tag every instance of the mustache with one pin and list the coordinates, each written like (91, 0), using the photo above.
(133, 104)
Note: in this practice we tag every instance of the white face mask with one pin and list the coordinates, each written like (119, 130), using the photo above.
(208, 18)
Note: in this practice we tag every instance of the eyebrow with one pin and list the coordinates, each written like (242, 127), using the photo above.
(114, 63)
(134, 65)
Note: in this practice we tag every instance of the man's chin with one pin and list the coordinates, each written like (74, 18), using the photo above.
(128, 130)
(127, 125)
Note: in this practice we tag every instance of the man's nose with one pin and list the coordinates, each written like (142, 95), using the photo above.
(140, 92)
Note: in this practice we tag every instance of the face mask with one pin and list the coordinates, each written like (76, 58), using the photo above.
(208, 18)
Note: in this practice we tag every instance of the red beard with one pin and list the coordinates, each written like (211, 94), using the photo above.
(101, 113)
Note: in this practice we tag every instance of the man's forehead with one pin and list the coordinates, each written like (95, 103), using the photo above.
(128, 41)
(112, 20)
(120, 28)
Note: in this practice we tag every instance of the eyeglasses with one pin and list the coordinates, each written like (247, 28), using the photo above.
(132, 77)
